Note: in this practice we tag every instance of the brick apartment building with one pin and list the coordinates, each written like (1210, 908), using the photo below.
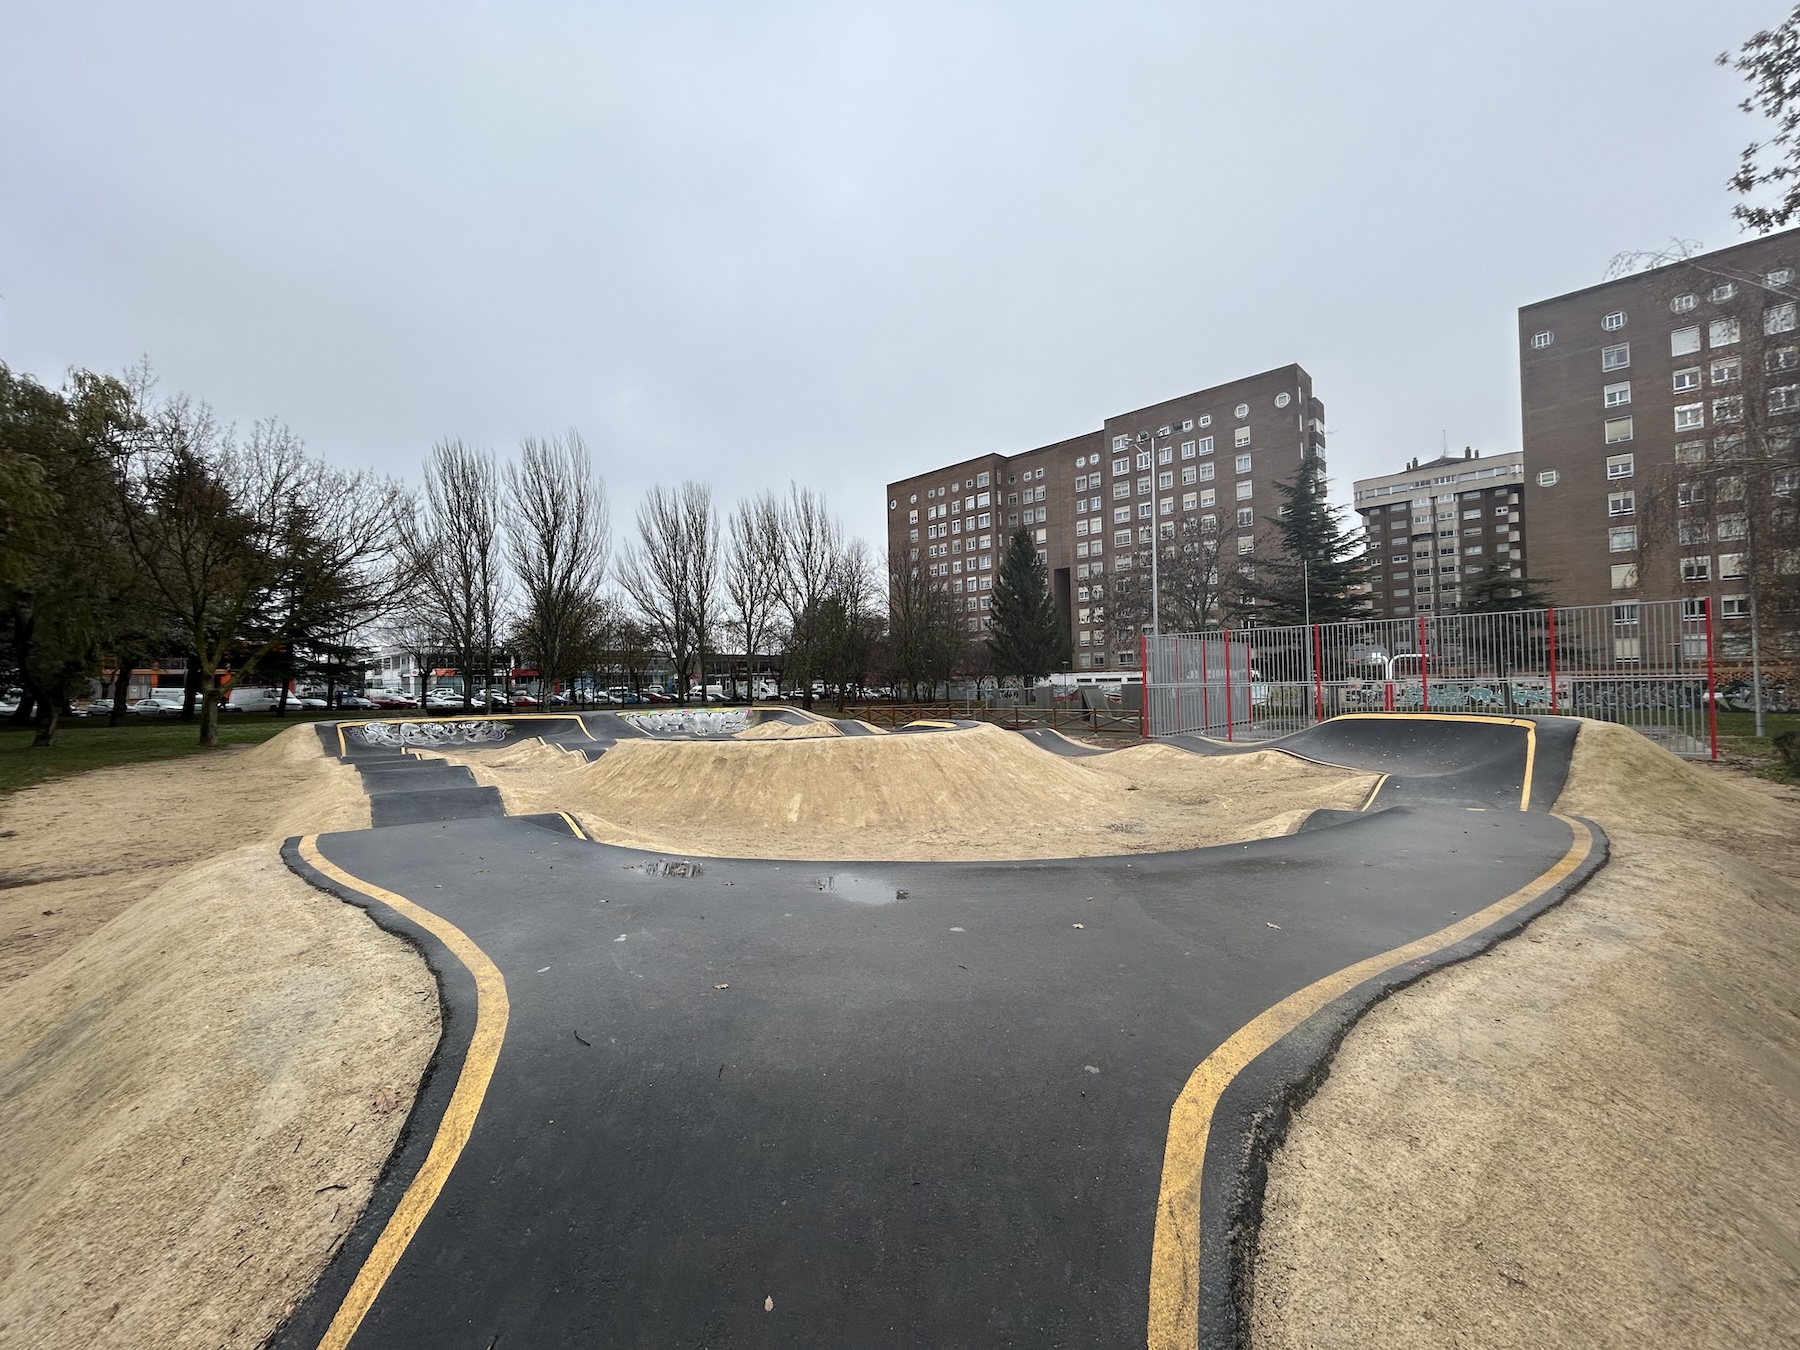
(1432, 524)
(1207, 461)
(1641, 398)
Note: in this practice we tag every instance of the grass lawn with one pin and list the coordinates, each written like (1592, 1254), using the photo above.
(82, 745)
(1737, 736)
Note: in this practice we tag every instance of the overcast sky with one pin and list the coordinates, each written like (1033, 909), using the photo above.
(840, 243)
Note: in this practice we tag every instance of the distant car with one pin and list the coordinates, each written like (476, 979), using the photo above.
(100, 707)
(524, 701)
(157, 707)
(356, 701)
(309, 704)
(393, 701)
(560, 700)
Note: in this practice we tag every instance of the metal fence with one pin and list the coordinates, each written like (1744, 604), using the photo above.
(1645, 664)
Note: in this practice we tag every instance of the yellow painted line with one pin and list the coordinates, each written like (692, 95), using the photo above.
(1374, 792)
(1527, 723)
(573, 824)
(491, 1012)
(926, 722)
(510, 717)
(1175, 1249)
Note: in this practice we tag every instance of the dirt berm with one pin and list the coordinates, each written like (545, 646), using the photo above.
(200, 1086)
(1588, 1137)
(975, 793)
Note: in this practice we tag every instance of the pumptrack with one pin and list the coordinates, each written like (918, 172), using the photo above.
(709, 1101)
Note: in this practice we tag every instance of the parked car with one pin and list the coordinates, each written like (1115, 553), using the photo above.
(393, 701)
(157, 707)
(356, 701)
(254, 699)
(100, 707)
(524, 701)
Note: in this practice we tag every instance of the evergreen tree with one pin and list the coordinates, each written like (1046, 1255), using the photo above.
(1028, 639)
(1321, 568)
(1496, 589)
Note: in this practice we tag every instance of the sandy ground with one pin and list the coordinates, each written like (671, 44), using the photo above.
(197, 1096)
(76, 851)
(1589, 1137)
(915, 797)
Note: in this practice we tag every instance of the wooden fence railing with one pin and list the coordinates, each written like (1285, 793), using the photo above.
(1072, 719)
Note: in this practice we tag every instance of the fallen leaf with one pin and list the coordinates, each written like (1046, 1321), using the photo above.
(1272, 925)
(1081, 925)
(619, 938)
(959, 930)
(385, 1100)
(769, 1304)
(542, 969)
(1091, 1068)
(721, 986)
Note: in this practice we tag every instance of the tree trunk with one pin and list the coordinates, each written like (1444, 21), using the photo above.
(209, 715)
(46, 735)
(23, 714)
(281, 703)
(121, 692)
(190, 690)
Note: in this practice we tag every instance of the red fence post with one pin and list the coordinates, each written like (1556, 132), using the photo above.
(1424, 661)
(1712, 689)
(1551, 612)
(1230, 709)
(1144, 677)
(1318, 678)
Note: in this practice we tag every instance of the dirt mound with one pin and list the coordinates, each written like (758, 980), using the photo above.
(777, 729)
(1625, 778)
(977, 793)
(198, 1099)
(1588, 1137)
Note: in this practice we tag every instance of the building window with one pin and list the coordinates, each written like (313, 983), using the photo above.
(1613, 322)
(1690, 494)
(1187, 449)
(1618, 429)
(1784, 398)
(1689, 416)
(1165, 480)
(1164, 455)
(1121, 489)
(1208, 472)
(1143, 510)
(1244, 490)
(1693, 532)
(1696, 569)
(1728, 409)
(1121, 442)
(1188, 474)
(1721, 332)
(1734, 606)
(1543, 339)
(1548, 478)
(1243, 464)
(1684, 341)
(1781, 276)
(1728, 371)
(1734, 527)
(1682, 304)
(1242, 436)
(1624, 576)
(1616, 395)
(1188, 501)
(1780, 318)
(1143, 459)
(1620, 466)
(1731, 566)
(1616, 357)
(1722, 292)
(1687, 379)
(1621, 503)
(1206, 497)
(1206, 445)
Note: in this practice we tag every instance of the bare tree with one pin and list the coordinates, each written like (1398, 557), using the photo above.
(926, 640)
(812, 543)
(209, 521)
(671, 573)
(452, 554)
(559, 539)
(753, 572)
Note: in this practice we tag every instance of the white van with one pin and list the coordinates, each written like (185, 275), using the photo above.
(256, 700)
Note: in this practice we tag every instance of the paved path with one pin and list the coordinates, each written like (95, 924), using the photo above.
(936, 1104)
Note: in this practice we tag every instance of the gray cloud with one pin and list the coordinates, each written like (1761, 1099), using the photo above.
(840, 243)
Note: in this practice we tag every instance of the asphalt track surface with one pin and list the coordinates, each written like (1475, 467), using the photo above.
(950, 1104)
